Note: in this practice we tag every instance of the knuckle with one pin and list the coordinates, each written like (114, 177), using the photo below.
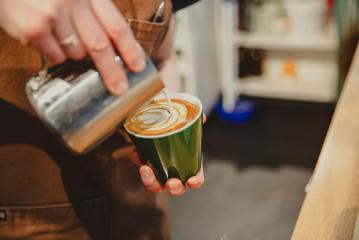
(77, 1)
(56, 7)
(37, 28)
(98, 44)
(58, 4)
(119, 30)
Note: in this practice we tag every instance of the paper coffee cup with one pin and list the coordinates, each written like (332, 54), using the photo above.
(177, 153)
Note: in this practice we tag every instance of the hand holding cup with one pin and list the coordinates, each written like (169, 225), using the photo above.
(174, 159)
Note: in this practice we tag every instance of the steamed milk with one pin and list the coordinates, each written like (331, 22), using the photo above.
(162, 116)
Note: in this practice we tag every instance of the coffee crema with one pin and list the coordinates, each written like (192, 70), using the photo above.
(156, 118)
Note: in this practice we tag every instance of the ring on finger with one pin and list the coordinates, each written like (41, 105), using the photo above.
(70, 40)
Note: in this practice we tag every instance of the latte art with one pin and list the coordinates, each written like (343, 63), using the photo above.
(156, 118)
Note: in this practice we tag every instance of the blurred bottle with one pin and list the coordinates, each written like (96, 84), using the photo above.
(250, 62)
(261, 15)
(244, 10)
(268, 16)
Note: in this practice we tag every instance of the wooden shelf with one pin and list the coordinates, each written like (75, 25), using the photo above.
(286, 89)
(326, 42)
(312, 80)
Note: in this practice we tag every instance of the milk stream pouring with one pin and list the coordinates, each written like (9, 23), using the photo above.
(73, 102)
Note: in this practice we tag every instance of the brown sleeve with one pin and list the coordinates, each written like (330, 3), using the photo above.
(17, 64)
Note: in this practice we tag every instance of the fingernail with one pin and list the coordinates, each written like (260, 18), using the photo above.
(173, 185)
(139, 47)
(122, 87)
(146, 173)
(140, 64)
(192, 181)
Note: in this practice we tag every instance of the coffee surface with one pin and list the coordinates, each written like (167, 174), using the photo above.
(156, 118)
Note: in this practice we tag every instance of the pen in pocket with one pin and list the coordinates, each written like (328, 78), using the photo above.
(159, 13)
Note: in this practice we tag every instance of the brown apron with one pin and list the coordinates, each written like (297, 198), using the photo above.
(47, 193)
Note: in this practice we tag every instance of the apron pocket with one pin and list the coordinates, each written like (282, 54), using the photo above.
(81, 221)
(148, 34)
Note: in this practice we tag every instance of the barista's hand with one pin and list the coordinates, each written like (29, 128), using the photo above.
(63, 29)
(173, 186)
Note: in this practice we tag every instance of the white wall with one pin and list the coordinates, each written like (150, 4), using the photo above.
(202, 23)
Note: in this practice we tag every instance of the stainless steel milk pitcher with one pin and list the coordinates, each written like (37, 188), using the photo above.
(73, 102)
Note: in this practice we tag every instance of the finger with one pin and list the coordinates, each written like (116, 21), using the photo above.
(204, 118)
(149, 179)
(120, 33)
(64, 29)
(99, 47)
(175, 187)
(136, 158)
(196, 181)
(48, 46)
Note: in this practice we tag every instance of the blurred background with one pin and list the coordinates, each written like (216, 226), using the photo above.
(269, 73)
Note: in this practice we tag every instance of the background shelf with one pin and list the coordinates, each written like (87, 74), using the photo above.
(291, 90)
(326, 41)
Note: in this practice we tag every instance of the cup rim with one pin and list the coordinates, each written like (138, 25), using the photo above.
(185, 96)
